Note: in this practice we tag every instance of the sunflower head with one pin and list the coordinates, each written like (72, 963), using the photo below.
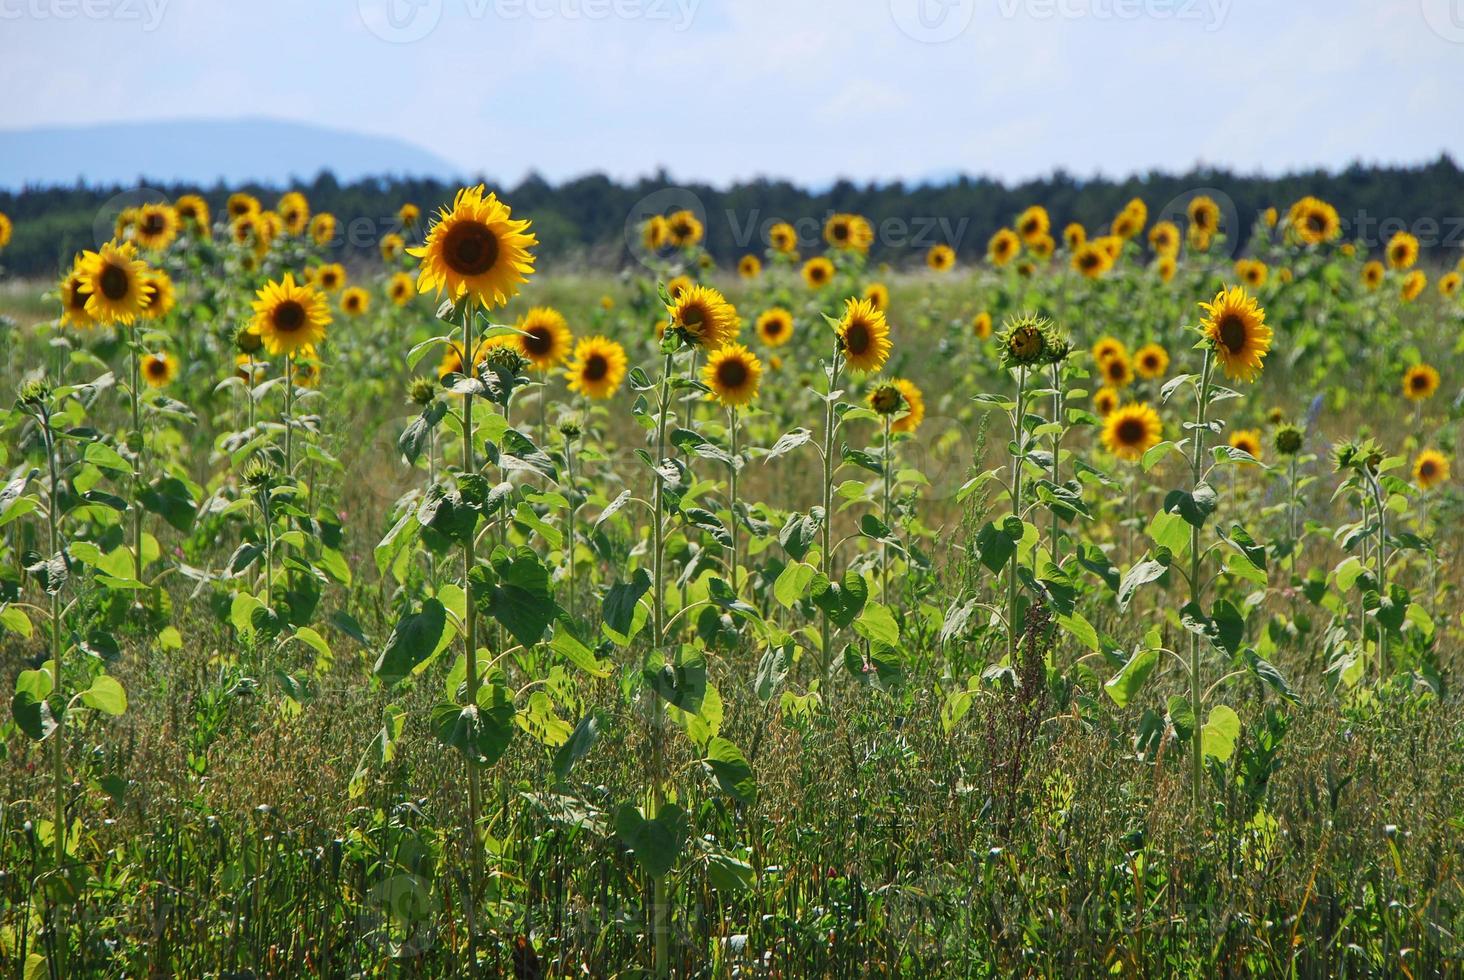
(241, 204)
(1151, 361)
(1033, 223)
(1372, 274)
(1430, 468)
(355, 301)
(117, 283)
(290, 317)
(1204, 214)
(1164, 238)
(702, 317)
(163, 296)
(158, 369)
(1288, 439)
(1024, 340)
(733, 373)
(749, 267)
(330, 277)
(323, 229)
(1252, 272)
(1413, 285)
(684, 228)
(849, 231)
(655, 233)
(818, 272)
(941, 258)
(247, 340)
(399, 289)
(155, 226)
(1247, 441)
(885, 398)
(1074, 235)
(783, 238)
(1117, 371)
(392, 245)
(1235, 326)
(6, 228)
(476, 250)
(864, 336)
(981, 325)
(1166, 267)
(1402, 250)
(1131, 430)
(1449, 284)
(1092, 259)
(294, 211)
(421, 391)
(1313, 221)
(596, 368)
(775, 326)
(1003, 247)
(878, 294)
(1105, 400)
(1420, 382)
(914, 403)
(74, 296)
(544, 338)
(408, 214)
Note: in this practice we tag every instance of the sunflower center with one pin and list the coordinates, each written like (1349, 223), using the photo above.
(857, 337)
(1232, 333)
(153, 224)
(1316, 223)
(693, 318)
(1114, 368)
(115, 282)
(289, 316)
(470, 249)
(1419, 382)
(732, 373)
(156, 367)
(76, 296)
(539, 341)
(1130, 431)
(773, 327)
(1427, 469)
(596, 367)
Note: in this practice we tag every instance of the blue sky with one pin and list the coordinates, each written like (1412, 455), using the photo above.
(806, 89)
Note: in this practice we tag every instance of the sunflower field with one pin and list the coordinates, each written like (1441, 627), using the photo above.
(1091, 609)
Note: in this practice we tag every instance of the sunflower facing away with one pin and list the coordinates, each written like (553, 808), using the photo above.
(1402, 250)
(818, 272)
(158, 369)
(355, 301)
(1151, 361)
(74, 295)
(864, 336)
(116, 280)
(1236, 327)
(1430, 468)
(596, 368)
(289, 317)
(733, 373)
(775, 326)
(1247, 441)
(1420, 382)
(704, 317)
(941, 258)
(476, 249)
(1132, 430)
(548, 338)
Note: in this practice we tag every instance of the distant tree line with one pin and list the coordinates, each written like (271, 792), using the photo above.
(592, 220)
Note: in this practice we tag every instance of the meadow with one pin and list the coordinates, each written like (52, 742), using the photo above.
(1089, 609)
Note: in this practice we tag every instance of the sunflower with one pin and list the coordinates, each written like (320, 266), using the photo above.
(1449, 284)
(246, 230)
(1236, 327)
(163, 298)
(678, 285)
(878, 294)
(1105, 400)
(941, 258)
(596, 368)
(864, 336)
(1420, 382)
(1126, 224)
(6, 228)
(399, 289)
(1413, 285)
(704, 317)
(1092, 260)
(271, 225)
(1270, 217)
(684, 228)
(1108, 347)
(749, 267)
(192, 211)
(156, 226)
(1132, 430)
(733, 373)
(1151, 361)
(408, 214)
(74, 295)
(1198, 238)
(1033, 223)
(1166, 266)
(981, 325)
(1314, 221)
(330, 277)
(914, 406)
(323, 228)
(1111, 244)
(392, 245)
(849, 231)
(655, 233)
(241, 204)
(775, 326)
(306, 372)
(294, 210)
(355, 301)
(476, 249)
(1043, 247)
(1117, 372)
(1372, 274)
(451, 362)
(818, 272)
(548, 338)
(1003, 247)
(1204, 214)
(1252, 272)
(249, 370)
(783, 238)
(158, 369)
(116, 280)
(1402, 250)
(290, 317)
(1247, 441)
(1430, 468)
(1074, 235)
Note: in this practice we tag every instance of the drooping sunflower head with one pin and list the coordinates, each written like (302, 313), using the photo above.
(355, 301)
(885, 398)
(476, 249)
(1132, 430)
(158, 369)
(163, 296)
(1074, 235)
(1164, 238)
(981, 325)
(392, 245)
(1151, 361)
(1314, 221)
(1372, 274)
(241, 204)
(155, 226)
(818, 272)
(116, 281)
(1105, 400)
(941, 258)
(1252, 272)
(294, 211)
(749, 267)
(1413, 285)
(733, 373)
(596, 368)
(1024, 340)
(1247, 441)
(782, 237)
(323, 228)
(684, 228)
(1430, 468)
(74, 294)
(1092, 259)
(1033, 223)
(545, 339)
(775, 326)
(864, 336)
(704, 318)
(1117, 372)
(1204, 214)
(1236, 327)
(290, 317)
(1402, 250)
(878, 294)
(399, 289)
(1003, 247)
(1420, 382)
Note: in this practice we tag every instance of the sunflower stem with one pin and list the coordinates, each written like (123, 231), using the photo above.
(660, 924)
(470, 642)
(1197, 448)
(827, 557)
(1018, 436)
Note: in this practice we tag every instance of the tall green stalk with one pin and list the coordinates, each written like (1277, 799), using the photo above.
(1196, 588)
(660, 909)
(827, 556)
(1019, 430)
